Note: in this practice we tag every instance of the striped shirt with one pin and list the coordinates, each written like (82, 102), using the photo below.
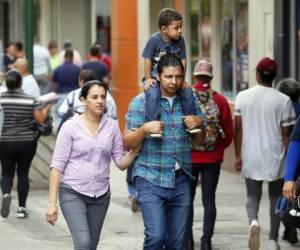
(18, 116)
(156, 161)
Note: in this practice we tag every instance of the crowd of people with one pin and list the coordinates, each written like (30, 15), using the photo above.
(174, 139)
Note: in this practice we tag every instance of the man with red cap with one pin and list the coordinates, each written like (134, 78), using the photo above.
(207, 159)
(263, 119)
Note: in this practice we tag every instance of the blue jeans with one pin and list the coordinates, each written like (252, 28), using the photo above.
(165, 213)
(152, 105)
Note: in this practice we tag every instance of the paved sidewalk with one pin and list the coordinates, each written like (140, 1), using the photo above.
(123, 230)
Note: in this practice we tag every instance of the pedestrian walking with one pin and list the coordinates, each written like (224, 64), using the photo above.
(291, 88)
(18, 141)
(79, 170)
(41, 66)
(72, 99)
(168, 40)
(263, 119)
(162, 171)
(97, 66)
(29, 84)
(207, 159)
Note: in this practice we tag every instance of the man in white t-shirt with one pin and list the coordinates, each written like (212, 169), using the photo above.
(263, 120)
(29, 84)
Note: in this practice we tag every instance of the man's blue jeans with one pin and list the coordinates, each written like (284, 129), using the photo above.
(165, 213)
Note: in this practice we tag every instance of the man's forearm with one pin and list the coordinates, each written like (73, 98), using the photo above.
(238, 143)
(133, 139)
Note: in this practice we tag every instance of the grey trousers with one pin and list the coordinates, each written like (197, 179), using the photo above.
(254, 194)
(84, 216)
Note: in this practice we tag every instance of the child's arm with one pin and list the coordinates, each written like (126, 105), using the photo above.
(147, 71)
(129, 158)
(183, 61)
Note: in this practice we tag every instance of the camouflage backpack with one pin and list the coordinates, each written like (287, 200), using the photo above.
(212, 126)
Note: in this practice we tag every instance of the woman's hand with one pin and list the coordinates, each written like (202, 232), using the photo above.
(51, 214)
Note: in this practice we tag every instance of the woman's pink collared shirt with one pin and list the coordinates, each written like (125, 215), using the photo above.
(84, 159)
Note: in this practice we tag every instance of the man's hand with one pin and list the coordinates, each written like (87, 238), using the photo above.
(289, 190)
(148, 83)
(238, 164)
(153, 127)
(192, 121)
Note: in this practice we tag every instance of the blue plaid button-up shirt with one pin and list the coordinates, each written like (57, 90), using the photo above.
(156, 161)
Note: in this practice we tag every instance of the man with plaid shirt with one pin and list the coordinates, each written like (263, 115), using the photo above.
(162, 170)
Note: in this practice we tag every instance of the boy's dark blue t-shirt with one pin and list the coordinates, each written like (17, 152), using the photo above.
(156, 47)
(99, 68)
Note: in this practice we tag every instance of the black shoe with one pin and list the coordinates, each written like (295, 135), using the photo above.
(5, 205)
(290, 235)
(206, 246)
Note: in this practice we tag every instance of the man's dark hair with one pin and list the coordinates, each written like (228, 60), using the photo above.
(167, 61)
(266, 77)
(290, 87)
(166, 16)
(94, 51)
(69, 54)
(67, 44)
(13, 79)
(87, 75)
(52, 44)
(19, 46)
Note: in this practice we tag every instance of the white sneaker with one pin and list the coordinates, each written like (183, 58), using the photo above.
(155, 135)
(273, 245)
(254, 230)
(22, 213)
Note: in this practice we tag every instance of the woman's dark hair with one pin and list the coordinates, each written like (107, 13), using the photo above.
(13, 79)
(166, 16)
(87, 75)
(169, 60)
(88, 85)
(290, 87)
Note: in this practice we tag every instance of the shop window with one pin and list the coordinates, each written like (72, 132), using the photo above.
(200, 30)
(234, 46)
(103, 24)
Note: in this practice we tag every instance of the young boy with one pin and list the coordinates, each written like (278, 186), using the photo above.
(167, 40)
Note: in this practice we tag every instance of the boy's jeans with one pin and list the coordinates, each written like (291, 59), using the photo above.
(165, 213)
(152, 106)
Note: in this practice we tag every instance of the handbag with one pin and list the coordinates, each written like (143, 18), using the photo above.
(69, 113)
(45, 128)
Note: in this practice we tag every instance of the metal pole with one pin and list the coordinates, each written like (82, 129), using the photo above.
(29, 33)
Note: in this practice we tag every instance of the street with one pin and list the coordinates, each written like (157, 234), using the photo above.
(123, 230)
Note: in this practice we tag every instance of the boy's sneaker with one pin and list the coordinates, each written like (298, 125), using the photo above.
(273, 245)
(254, 231)
(194, 130)
(22, 213)
(155, 135)
(5, 205)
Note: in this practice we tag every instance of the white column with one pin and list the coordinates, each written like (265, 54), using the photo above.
(215, 48)
(260, 34)
(143, 8)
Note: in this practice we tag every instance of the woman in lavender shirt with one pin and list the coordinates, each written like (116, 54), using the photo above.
(80, 167)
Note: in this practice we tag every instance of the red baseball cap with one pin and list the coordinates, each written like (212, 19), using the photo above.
(267, 66)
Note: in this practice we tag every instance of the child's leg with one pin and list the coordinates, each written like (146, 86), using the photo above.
(152, 105)
(187, 101)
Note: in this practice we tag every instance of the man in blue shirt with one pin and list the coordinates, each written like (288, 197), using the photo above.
(162, 170)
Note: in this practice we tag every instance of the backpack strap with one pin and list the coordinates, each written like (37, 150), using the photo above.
(71, 104)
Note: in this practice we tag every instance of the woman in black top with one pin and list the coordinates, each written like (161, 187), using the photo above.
(18, 141)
